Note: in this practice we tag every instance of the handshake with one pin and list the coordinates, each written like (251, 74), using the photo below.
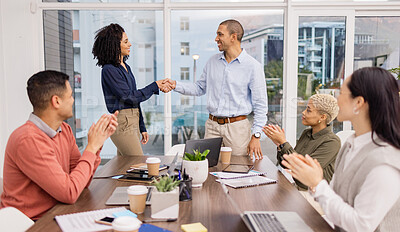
(166, 85)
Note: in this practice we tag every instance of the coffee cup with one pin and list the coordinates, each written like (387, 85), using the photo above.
(126, 224)
(153, 166)
(226, 155)
(137, 198)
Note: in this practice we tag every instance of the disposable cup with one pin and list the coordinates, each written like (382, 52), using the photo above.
(226, 155)
(153, 166)
(137, 198)
(126, 224)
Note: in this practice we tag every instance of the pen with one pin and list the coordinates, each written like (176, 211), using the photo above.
(160, 220)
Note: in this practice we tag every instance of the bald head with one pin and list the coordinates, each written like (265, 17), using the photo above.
(234, 27)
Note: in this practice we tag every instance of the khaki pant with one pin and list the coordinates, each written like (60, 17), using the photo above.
(127, 136)
(236, 135)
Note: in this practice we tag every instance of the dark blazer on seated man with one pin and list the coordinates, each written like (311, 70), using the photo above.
(42, 164)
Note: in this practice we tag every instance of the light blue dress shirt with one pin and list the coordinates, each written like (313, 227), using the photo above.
(233, 89)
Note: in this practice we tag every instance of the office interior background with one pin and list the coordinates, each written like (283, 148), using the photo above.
(304, 46)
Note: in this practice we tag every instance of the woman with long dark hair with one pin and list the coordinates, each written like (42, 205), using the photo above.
(111, 49)
(364, 194)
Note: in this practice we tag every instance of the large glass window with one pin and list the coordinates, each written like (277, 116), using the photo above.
(263, 39)
(69, 38)
(377, 42)
(321, 48)
(107, 1)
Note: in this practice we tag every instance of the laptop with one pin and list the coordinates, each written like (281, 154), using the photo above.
(261, 221)
(213, 144)
(120, 195)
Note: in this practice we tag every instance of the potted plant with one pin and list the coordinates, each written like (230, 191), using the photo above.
(165, 198)
(196, 166)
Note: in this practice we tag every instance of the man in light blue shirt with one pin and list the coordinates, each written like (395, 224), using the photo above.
(235, 86)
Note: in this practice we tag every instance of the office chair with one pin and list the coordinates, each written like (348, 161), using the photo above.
(13, 220)
(343, 135)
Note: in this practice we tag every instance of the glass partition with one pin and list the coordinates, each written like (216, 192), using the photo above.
(377, 42)
(69, 38)
(106, 1)
(192, 44)
(321, 52)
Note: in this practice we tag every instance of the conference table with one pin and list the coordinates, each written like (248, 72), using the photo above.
(209, 205)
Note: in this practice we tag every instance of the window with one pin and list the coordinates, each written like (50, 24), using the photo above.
(184, 48)
(184, 73)
(75, 31)
(263, 39)
(321, 47)
(185, 100)
(376, 42)
(184, 23)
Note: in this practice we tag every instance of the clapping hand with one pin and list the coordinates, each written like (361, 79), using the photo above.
(99, 132)
(304, 168)
(166, 85)
(275, 133)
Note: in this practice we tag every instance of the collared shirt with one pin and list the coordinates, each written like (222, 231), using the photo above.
(41, 170)
(233, 89)
(376, 196)
(323, 146)
(43, 126)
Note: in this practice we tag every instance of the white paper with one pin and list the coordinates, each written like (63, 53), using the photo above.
(231, 175)
(84, 221)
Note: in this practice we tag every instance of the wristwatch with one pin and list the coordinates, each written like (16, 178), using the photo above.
(257, 135)
(281, 146)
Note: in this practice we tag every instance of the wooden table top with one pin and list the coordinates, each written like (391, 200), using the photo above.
(209, 206)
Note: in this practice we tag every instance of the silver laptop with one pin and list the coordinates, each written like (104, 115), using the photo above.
(270, 221)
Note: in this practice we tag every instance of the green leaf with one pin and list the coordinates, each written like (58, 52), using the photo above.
(166, 184)
(197, 155)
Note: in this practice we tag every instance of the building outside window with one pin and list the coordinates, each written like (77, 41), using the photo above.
(184, 23)
(185, 48)
(184, 73)
(185, 100)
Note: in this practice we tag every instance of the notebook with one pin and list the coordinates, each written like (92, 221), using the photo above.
(246, 182)
(84, 221)
(261, 221)
(229, 175)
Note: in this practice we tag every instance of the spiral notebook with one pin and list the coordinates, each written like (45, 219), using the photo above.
(231, 175)
(247, 182)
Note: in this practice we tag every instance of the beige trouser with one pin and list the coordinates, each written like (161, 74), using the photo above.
(127, 136)
(236, 135)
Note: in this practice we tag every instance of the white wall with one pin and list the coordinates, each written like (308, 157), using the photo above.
(19, 58)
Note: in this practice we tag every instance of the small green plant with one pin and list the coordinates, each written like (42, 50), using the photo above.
(196, 156)
(166, 184)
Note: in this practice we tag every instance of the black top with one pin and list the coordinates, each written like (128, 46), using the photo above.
(120, 91)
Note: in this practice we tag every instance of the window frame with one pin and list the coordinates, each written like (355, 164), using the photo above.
(291, 9)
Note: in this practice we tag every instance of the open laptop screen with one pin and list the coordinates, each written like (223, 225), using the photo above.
(213, 144)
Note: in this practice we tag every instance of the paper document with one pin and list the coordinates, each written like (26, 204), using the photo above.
(247, 182)
(232, 175)
(84, 221)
